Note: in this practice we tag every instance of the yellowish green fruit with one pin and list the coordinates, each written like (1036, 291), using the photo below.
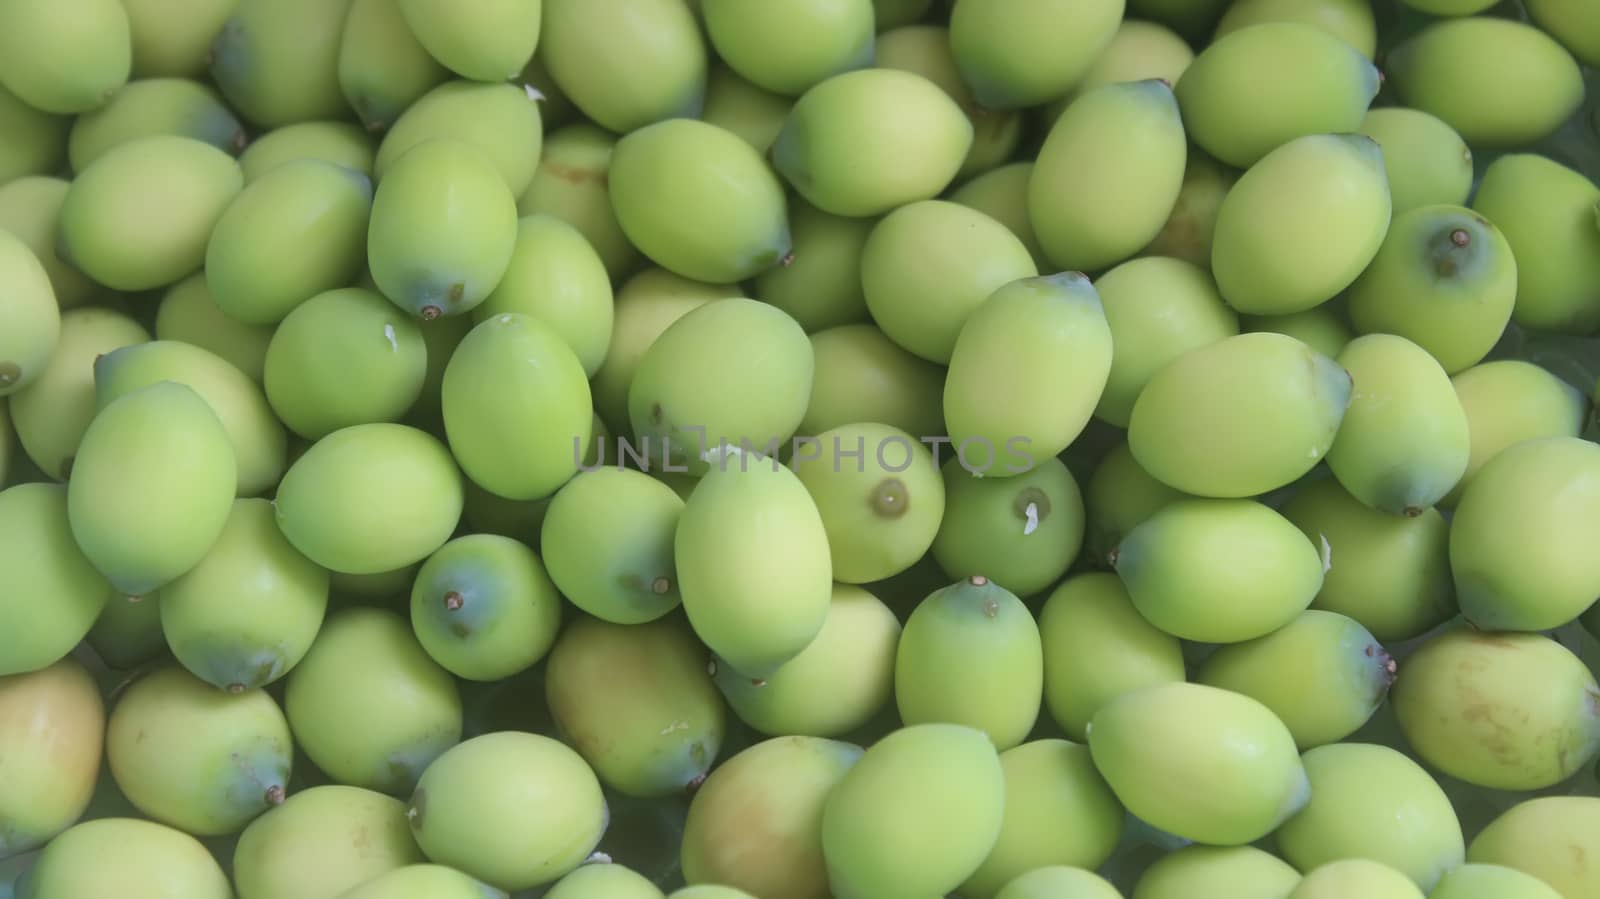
(30, 208)
(174, 37)
(570, 184)
(1549, 837)
(790, 45)
(126, 857)
(339, 142)
(861, 375)
(1355, 877)
(36, 141)
(752, 113)
(1546, 212)
(484, 40)
(1059, 882)
(1191, 228)
(277, 61)
(1508, 401)
(65, 59)
(440, 337)
(152, 106)
(484, 607)
(45, 579)
(556, 276)
(1139, 50)
(607, 542)
(894, 13)
(1002, 194)
(1022, 531)
(1119, 496)
(1573, 24)
(1480, 881)
(626, 63)
(821, 288)
(1321, 327)
(423, 881)
(30, 320)
(321, 842)
(1199, 762)
(1426, 161)
(1349, 20)
(604, 880)
(189, 314)
(1021, 53)
(926, 50)
(383, 585)
(1217, 872)
(502, 120)
(53, 721)
(383, 68)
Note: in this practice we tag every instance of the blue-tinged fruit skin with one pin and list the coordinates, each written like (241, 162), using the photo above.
(277, 61)
(1020, 53)
(1217, 872)
(483, 40)
(1549, 837)
(65, 58)
(607, 542)
(484, 608)
(155, 106)
(423, 881)
(1480, 881)
(52, 737)
(355, 835)
(1022, 531)
(626, 63)
(125, 856)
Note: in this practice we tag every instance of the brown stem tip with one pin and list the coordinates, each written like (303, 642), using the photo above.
(236, 689)
(429, 313)
(275, 795)
(1460, 237)
(454, 601)
(660, 586)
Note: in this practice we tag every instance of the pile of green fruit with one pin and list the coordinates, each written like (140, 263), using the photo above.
(799, 449)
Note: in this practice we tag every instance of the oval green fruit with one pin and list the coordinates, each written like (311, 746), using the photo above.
(1190, 230)
(1427, 162)
(1002, 194)
(863, 376)
(1322, 328)
(277, 61)
(65, 60)
(570, 184)
(1201, 763)
(30, 208)
(1508, 401)
(128, 633)
(154, 106)
(30, 320)
(484, 608)
(355, 835)
(45, 579)
(189, 314)
(500, 119)
(1022, 531)
(1478, 881)
(383, 68)
(1059, 882)
(1118, 497)
(423, 881)
(1355, 877)
(1573, 24)
(607, 541)
(52, 736)
(604, 880)
(754, 114)
(788, 46)
(1020, 53)
(485, 40)
(1546, 212)
(1351, 21)
(626, 63)
(339, 142)
(127, 857)
(1545, 837)
(821, 287)
(174, 37)
(1217, 872)
(556, 276)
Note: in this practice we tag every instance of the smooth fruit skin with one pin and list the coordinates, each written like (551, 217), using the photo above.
(30, 208)
(1002, 194)
(787, 47)
(862, 375)
(1534, 576)
(607, 543)
(1478, 881)
(1502, 711)
(1546, 212)
(1323, 86)
(1199, 762)
(753, 563)
(53, 725)
(1059, 882)
(570, 184)
(1108, 175)
(1573, 24)
(152, 485)
(248, 612)
(423, 881)
(1321, 327)
(605, 880)
(514, 810)
(321, 842)
(637, 702)
(626, 63)
(197, 758)
(45, 579)
(501, 119)
(483, 40)
(32, 320)
(1286, 241)
(843, 677)
(277, 62)
(1023, 53)
(484, 608)
(371, 498)
(1158, 308)
(821, 287)
(1549, 837)
(128, 633)
(517, 407)
(171, 38)
(1022, 532)
(383, 68)
(754, 114)
(1508, 401)
(36, 141)
(125, 857)
(1190, 230)
(65, 59)
(1058, 813)
(863, 143)
(916, 815)
(557, 276)
(368, 705)
(106, 227)
(1198, 424)
(1342, 674)
(1445, 279)
(1373, 802)
(1351, 21)
(756, 823)
(1118, 497)
(699, 201)
(1217, 872)
(1355, 877)
(1522, 84)
(1427, 162)
(153, 106)
(339, 142)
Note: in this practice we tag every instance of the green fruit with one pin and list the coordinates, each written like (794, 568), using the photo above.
(881, 511)
(607, 541)
(1491, 882)
(383, 68)
(1355, 877)
(106, 228)
(1058, 813)
(1022, 532)
(1191, 227)
(626, 63)
(65, 60)
(1501, 711)
(926, 50)
(1450, 8)
(1002, 194)
(36, 141)
(1199, 762)
(604, 880)
(710, 891)
(6, 435)
(517, 407)
(1108, 175)
(821, 287)
(1507, 402)
(196, 758)
(637, 702)
(1403, 442)
(1546, 212)
(1217, 872)
(386, 585)
(128, 633)
(1536, 576)
(30, 208)
(151, 107)
(1286, 241)
(862, 376)
(1051, 328)
(843, 677)
(570, 184)
(152, 485)
(502, 120)
(341, 358)
(753, 114)
(125, 857)
(895, 13)
(753, 563)
(916, 815)
(1323, 85)
(1239, 417)
(1059, 882)
(929, 264)
(258, 442)
(370, 498)
(971, 655)
(732, 372)
(1499, 83)
(1573, 24)
(342, 143)
(486, 40)
(556, 276)
(865, 142)
(174, 37)
(322, 842)
(277, 61)
(1375, 803)
(1139, 50)
(189, 314)
(424, 881)
(444, 226)
(1445, 279)
(1427, 162)
(471, 810)
(1158, 308)
(1098, 647)
(248, 612)
(789, 46)
(29, 315)
(756, 823)
(53, 726)
(1027, 52)
(440, 338)
(1550, 838)
(1321, 327)
(1118, 497)
(484, 608)
(1348, 20)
